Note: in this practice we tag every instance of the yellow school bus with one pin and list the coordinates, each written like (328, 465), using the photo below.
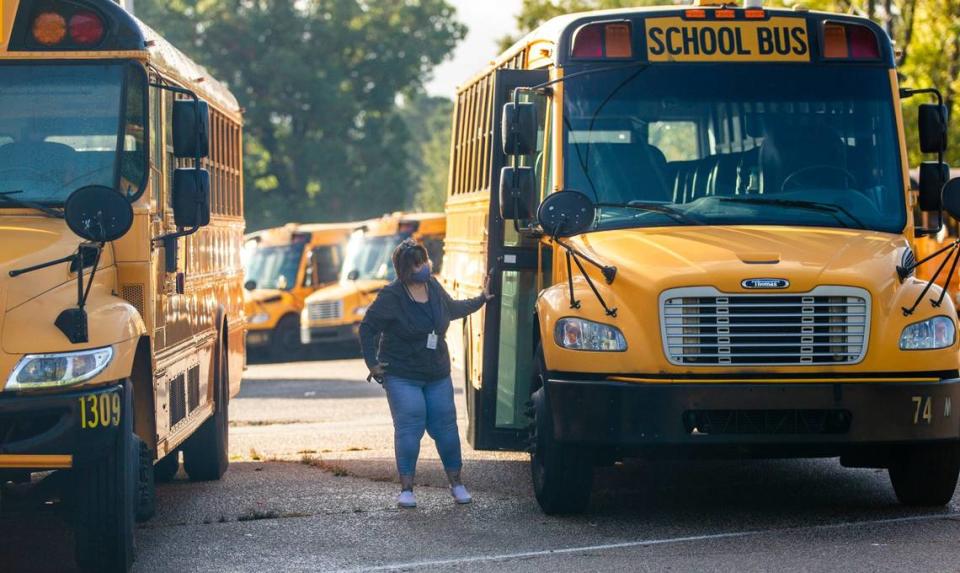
(700, 228)
(121, 294)
(282, 267)
(333, 314)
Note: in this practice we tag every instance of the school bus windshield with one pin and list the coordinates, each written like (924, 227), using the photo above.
(60, 130)
(736, 144)
(368, 258)
(274, 267)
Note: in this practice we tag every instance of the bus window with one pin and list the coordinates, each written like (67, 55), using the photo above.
(133, 160)
(435, 252)
(324, 264)
(275, 267)
(678, 140)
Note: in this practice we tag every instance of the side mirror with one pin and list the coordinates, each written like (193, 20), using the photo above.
(250, 285)
(98, 214)
(933, 128)
(191, 129)
(566, 213)
(933, 176)
(519, 128)
(518, 193)
(951, 198)
(191, 197)
(353, 275)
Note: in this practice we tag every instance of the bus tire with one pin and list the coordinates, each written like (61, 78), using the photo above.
(206, 453)
(105, 502)
(562, 474)
(926, 475)
(146, 484)
(166, 469)
(285, 342)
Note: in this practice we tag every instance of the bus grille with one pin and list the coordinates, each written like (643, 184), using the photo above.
(702, 326)
(325, 310)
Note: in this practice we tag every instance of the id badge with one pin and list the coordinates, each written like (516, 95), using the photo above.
(432, 340)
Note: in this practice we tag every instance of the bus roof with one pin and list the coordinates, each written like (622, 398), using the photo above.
(326, 233)
(551, 33)
(391, 223)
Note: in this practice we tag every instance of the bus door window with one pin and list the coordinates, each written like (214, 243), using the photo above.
(156, 149)
(323, 266)
(434, 248)
(132, 147)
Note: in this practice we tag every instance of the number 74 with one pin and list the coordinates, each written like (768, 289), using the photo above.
(923, 409)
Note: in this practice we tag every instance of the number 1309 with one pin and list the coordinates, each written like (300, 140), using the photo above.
(100, 411)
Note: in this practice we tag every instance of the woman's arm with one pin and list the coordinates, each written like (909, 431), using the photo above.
(457, 309)
(375, 321)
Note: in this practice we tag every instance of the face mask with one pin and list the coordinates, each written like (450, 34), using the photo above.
(421, 276)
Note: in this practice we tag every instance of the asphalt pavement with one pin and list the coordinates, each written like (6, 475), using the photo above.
(311, 488)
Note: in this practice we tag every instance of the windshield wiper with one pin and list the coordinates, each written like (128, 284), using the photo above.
(672, 212)
(831, 208)
(5, 197)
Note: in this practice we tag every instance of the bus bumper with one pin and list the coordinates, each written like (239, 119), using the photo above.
(764, 419)
(58, 431)
(330, 334)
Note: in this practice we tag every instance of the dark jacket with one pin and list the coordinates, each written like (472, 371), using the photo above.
(395, 330)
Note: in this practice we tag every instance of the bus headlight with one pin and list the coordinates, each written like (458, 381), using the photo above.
(61, 369)
(361, 311)
(930, 334)
(259, 318)
(579, 334)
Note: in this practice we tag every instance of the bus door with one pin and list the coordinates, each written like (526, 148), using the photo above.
(498, 420)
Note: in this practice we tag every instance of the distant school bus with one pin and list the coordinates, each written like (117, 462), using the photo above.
(701, 232)
(333, 314)
(121, 291)
(282, 267)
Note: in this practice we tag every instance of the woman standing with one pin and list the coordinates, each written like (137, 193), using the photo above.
(403, 337)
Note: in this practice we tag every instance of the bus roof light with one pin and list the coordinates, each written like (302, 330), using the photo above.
(695, 14)
(49, 28)
(86, 28)
(603, 40)
(588, 42)
(849, 42)
(725, 14)
(755, 14)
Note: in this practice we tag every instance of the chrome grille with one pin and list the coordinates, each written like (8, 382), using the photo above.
(702, 326)
(325, 310)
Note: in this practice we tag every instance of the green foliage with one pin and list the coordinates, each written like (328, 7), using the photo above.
(320, 81)
(429, 122)
(925, 32)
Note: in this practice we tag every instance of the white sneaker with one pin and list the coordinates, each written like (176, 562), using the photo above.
(460, 494)
(406, 499)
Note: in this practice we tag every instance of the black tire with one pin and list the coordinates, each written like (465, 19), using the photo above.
(146, 488)
(105, 497)
(926, 475)
(206, 453)
(562, 474)
(166, 469)
(285, 345)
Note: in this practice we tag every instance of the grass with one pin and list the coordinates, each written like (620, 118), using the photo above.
(337, 469)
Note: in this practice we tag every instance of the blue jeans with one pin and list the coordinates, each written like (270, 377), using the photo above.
(417, 406)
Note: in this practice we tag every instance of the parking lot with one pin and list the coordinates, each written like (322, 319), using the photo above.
(311, 488)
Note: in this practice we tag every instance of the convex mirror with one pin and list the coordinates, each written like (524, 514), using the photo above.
(566, 213)
(99, 214)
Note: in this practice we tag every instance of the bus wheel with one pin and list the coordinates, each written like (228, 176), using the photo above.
(166, 469)
(106, 494)
(562, 474)
(926, 475)
(205, 454)
(285, 342)
(146, 484)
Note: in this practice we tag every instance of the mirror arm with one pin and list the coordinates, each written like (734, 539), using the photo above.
(18, 272)
(953, 247)
(609, 273)
(574, 303)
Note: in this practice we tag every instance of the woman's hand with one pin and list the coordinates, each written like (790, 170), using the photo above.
(486, 288)
(378, 372)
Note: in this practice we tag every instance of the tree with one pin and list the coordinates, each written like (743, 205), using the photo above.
(320, 81)
(428, 119)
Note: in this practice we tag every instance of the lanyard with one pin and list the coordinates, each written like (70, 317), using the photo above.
(420, 305)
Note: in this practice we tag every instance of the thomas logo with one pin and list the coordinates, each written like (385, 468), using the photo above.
(765, 284)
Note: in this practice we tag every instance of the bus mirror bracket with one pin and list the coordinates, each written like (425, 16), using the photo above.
(933, 130)
(191, 187)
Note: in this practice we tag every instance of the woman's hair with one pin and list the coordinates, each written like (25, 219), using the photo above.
(407, 256)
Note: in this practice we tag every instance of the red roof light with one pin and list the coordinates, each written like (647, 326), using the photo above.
(86, 28)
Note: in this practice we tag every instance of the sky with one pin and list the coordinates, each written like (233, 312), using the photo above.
(488, 21)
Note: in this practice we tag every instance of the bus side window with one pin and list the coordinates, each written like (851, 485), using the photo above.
(156, 148)
(133, 156)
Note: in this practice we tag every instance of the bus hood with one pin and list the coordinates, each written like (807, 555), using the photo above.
(28, 241)
(723, 257)
(262, 296)
(344, 290)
